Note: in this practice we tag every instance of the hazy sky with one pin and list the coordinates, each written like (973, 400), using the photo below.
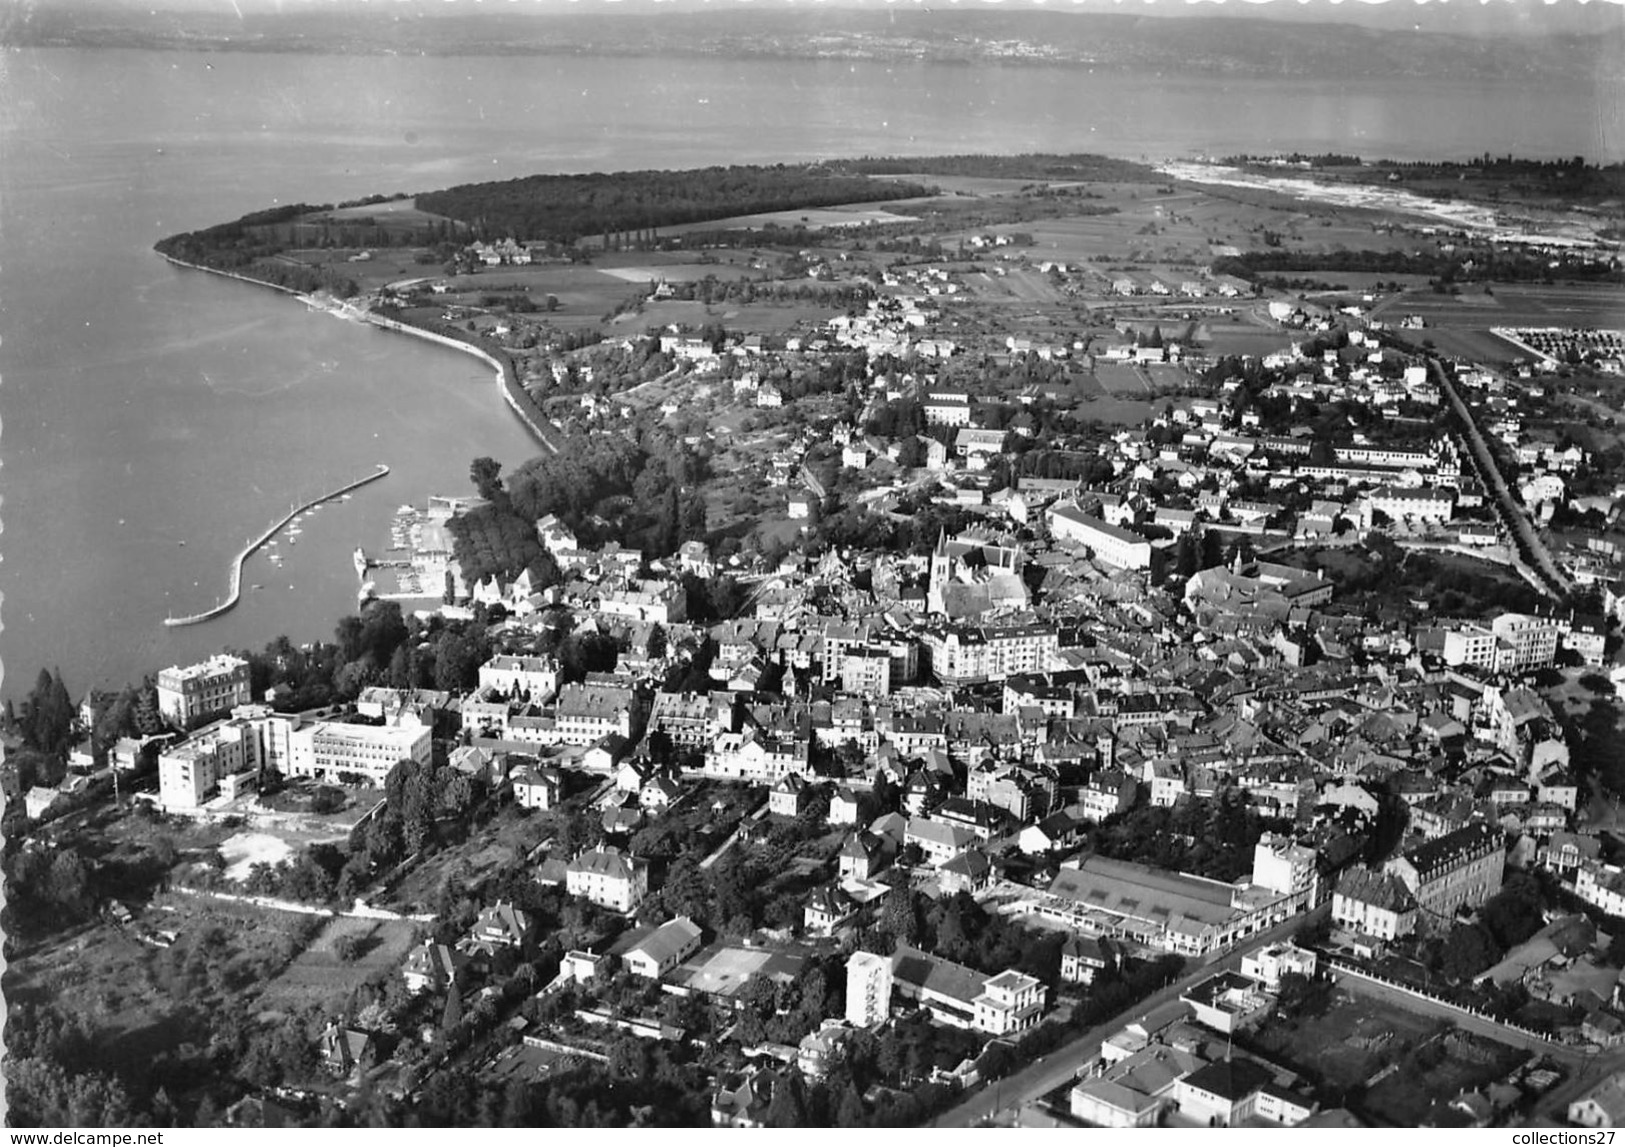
(1472, 17)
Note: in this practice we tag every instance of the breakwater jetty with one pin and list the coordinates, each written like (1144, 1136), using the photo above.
(232, 598)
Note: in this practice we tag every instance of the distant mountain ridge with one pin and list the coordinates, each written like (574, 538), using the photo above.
(1227, 45)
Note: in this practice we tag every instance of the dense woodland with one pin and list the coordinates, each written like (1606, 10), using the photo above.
(564, 208)
(642, 490)
(1475, 264)
(1037, 166)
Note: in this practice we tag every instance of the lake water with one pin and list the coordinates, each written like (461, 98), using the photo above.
(146, 406)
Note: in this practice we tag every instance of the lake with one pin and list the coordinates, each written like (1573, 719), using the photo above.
(145, 407)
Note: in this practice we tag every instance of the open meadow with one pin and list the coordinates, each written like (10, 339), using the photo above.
(322, 976)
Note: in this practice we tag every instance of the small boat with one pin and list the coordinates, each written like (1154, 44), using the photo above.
(256, 587)
(180, 543)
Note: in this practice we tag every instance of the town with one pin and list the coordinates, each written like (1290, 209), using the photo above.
(932, 674)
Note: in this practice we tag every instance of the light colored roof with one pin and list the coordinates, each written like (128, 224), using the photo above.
(669, 940)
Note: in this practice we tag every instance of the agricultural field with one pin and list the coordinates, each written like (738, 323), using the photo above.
(856, 215)
(1116, 410)
(1514, 305)
(1475, 345)
(1121, 379)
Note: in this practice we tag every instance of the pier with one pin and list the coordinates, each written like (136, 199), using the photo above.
(247, 551)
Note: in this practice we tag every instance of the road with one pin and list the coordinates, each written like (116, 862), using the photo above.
(1062, 1065)
(1512, 516)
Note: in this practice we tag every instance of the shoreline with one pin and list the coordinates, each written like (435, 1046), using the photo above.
(506, 382)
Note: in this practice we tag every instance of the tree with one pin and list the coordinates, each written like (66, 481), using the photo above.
(49, 723)
(788, 1106)
(484, 473)
(1467, 951)
(452, 1014)
(1185, 559)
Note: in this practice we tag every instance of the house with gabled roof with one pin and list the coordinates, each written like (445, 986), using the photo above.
(500, 926)
(432, 967)
(970, 871)
(861, 856)
(940, 842)
(789, 797)
(1085, 957)
(826, 909)
(345, 1050)
(663, 949)
(844, 806)
(609, 878)
(743, 1097)
(537, 788)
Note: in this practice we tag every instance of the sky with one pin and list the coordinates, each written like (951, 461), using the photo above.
(1468, 17)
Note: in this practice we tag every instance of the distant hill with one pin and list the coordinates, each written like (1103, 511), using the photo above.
(1226, 45)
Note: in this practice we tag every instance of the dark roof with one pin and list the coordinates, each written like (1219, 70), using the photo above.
(1231, 1079)
(1452, 849)
(1379, 889)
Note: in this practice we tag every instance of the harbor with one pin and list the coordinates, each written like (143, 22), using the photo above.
(253, 546)
(420, 554)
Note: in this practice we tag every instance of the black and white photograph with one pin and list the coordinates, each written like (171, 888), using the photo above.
(812, 564)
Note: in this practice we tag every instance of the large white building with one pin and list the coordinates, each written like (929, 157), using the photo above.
(609, 878)
(223, 759)
(973, 654)
(1413, 503)
(535, 677)
(1374, 904)
(1109, 544)
(1512, 643)
(589, 713)
(212, 686)
(868, 989)
(349, 754)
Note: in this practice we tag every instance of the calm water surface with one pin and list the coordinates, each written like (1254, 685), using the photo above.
(144, 406)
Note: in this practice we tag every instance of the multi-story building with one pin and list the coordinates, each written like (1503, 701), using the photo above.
(687, 718)
(1010, 1002)
(947, 408)
(1109, 544)
(1602, 885)
(343, 753)
(533, 678)
(1107, 793)
(866, 671)
(1461, 869)
(1282, 866)
(972, 655)
(1374, 903)
(1267, 965)
(212, 686)
(224, 758)
(609, 878)
(964, 998)
(868, 989)
(1413, 503)
(190, 773)
(1532, 641)
(589, 713)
